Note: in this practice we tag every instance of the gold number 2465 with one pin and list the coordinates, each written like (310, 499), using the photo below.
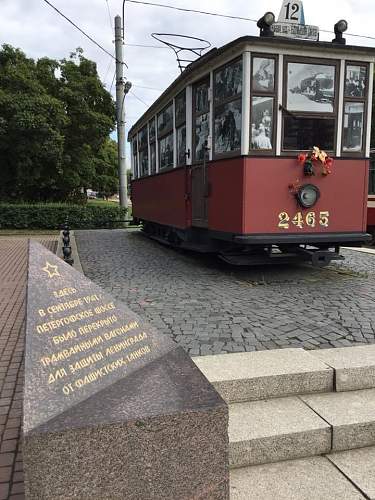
(299, 220)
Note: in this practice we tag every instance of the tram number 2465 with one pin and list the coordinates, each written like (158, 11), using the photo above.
(300, 220)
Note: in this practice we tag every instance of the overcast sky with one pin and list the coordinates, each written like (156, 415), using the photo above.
(39, 31)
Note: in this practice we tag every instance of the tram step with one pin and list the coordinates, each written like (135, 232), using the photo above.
(275, 430)
(266, 374)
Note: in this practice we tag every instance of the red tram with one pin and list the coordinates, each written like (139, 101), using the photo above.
(223, 161)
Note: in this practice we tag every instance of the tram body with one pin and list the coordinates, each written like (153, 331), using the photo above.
(215, 158)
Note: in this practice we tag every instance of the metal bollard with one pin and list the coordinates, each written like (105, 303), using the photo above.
(67, 249)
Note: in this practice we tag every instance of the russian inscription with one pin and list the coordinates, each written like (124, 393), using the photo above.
(78, 338)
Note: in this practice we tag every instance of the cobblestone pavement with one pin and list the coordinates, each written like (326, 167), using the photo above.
(209, 307)
(13, 267)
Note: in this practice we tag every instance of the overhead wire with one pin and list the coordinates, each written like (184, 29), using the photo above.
(110, 17)
(82, 31)
(227, 16)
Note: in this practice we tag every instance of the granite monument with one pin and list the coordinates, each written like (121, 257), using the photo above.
(112, 408)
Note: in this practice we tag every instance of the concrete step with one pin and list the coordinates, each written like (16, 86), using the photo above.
(314, 478)
(354, 366)
(351, 416)
(266, 374)
(274, 430)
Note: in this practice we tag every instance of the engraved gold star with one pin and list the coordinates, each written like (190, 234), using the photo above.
(51, 270)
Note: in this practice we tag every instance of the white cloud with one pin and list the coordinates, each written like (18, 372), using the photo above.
(39, 31)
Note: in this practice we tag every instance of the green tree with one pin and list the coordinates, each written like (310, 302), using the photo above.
(105, 165)
(55, 119)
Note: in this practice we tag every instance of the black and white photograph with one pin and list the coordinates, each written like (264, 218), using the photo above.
(355, 81)
(261, 136)
(166, 152)
(228, 81)
(263, 74)
(180, 108)
(353, 126)
(202, 131)
(151, 130)
(311, 87)
(201, 98)
(153, 158)
(181, 145)
(228, 124)
(165, 120)
(143, 161)
(143, 139)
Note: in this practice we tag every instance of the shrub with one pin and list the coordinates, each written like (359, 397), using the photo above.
(53, 216)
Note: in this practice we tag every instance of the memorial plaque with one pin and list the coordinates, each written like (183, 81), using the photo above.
(112, 408)
(79, 339)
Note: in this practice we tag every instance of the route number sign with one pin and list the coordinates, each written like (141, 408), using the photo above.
(291, 22)
(292, 12)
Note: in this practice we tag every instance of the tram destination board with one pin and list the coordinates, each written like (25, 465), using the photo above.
(79, 339)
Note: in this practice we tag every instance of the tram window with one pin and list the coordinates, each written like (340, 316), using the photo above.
(310, 87)
(301, 134)
(180, 123)
(165, 137)
(263, 74)
(353, 126)
(355, 81)
(143, 151)
(135, 157)
(152, 140)
(166, 151)
(153, 158)
(261, 135)
(228, 108)
(201, 120)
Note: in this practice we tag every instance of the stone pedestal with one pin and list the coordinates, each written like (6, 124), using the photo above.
(155, 429)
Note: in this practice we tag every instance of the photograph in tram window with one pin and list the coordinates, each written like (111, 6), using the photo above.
(261, 123)
(228, 127)
(355, 81)
(353, 126)
(181, 145)
(166, 151)
(142, 138)
(153, 157)
(134, 146)
(143, 161)
(152, 130)
(228, 81)
(311, 87)
(202, 130)
(263, 79)
(180, 108)
(201, 98)
(165, 120)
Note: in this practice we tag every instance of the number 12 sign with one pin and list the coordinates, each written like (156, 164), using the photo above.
(292, 12)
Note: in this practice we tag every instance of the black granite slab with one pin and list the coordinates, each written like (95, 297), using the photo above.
(79, 339)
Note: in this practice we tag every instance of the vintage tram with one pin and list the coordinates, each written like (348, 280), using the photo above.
(260, 151)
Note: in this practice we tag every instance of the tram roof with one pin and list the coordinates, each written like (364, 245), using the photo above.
(210, 57)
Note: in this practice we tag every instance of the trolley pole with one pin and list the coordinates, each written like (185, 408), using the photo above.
(120, 112)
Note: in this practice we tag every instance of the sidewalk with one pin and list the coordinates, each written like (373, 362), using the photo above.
(13, 267)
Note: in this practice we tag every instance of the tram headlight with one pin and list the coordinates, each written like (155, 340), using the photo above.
(308, 195)
(340, 27)
(265, 23)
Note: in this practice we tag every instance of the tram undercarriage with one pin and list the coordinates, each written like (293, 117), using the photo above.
(244, 250)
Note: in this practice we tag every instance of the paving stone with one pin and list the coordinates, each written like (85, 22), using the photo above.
(274, 430)
(358, 466)
(351, 415)
(354, 366)
(260, 375)
(312, 478)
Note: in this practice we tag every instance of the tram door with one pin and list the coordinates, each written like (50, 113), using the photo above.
(201, 130)
(199, 195)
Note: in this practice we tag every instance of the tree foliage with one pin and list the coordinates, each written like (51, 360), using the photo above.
(55, 120)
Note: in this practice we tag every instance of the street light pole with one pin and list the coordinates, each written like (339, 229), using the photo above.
(120, 111)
